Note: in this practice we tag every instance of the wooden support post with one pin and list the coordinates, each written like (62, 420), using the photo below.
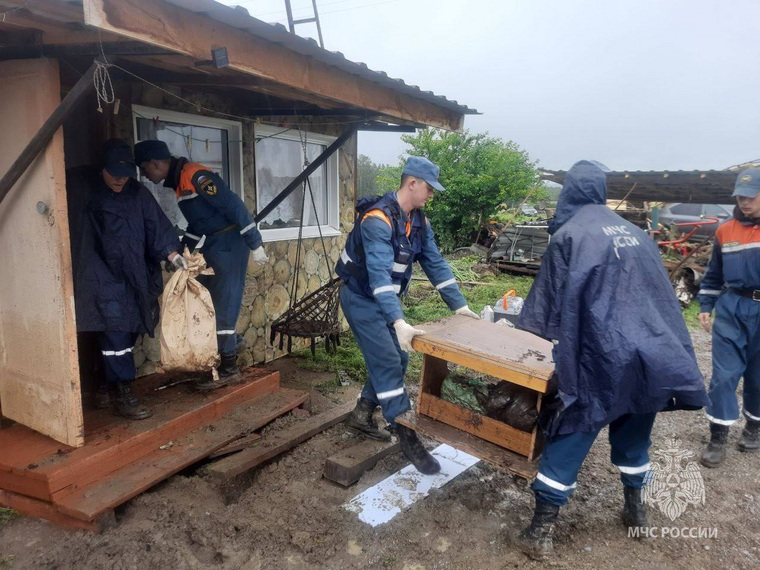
(46, 132)
(298, 180)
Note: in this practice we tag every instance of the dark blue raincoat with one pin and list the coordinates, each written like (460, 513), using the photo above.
(603, 293)
(124, 237)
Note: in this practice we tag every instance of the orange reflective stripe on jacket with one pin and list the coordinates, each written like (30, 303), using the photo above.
(186, 187)
(380, 214)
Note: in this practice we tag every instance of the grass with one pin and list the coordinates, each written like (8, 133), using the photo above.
(6, 561)
(423, 304)
(6, 515)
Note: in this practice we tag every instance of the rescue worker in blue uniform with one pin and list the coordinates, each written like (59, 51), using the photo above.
(391, 233)
(222, 228)
(731, 286)
(623, 352)
(123, 238)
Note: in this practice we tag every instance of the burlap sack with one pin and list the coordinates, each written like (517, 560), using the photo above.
(188, 321)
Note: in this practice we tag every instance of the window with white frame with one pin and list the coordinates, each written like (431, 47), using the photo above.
(215, 143)
(279, 159)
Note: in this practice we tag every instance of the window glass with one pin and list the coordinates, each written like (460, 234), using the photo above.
(278, 162)
(200, 139)
(716, 210)
(687, 209)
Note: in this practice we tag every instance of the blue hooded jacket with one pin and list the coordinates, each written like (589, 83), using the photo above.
(603, 293)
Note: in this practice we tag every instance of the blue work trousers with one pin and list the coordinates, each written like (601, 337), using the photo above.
(385, 360)
(118, 359)
(227, 254)
(736, 353)
(563, 456)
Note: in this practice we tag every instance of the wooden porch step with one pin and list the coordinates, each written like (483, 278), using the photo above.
(88, 503)
(37, 466)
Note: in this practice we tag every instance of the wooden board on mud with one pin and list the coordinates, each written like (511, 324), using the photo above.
(346, 467)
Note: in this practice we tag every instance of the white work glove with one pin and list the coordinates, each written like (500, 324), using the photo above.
(466, 312)
(259, 256)
(405, 333)
(178, 261)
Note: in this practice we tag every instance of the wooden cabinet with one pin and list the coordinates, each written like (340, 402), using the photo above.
(504, 353)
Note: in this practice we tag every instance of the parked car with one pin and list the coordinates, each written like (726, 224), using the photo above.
(688, 212)
(529, 210)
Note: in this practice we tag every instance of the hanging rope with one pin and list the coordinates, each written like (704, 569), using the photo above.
(101, 79)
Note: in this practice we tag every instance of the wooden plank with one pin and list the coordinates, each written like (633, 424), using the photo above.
(244, 442)
(39, 387)
(123, 446)
(347, 466)
(41, 509)
(476, 424)
(434, 372)
(278, 443)
(485, 450)
(266, 409)
(194, 34)
(89, 502)
(46, 132)
(505, 353)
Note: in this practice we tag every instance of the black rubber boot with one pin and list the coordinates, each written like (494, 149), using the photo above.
(715, 452)
(750, 440)
(229, 374)
(102, 398)
(415, 452)
(634, 511)
(361, 420)
(127, 405)
(537, 541)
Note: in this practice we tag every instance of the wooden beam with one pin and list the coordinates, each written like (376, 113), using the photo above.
(280, 442)
(347, 466)
(194, 34)
(46, 132)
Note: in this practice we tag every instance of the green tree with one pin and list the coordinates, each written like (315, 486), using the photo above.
(480, 173)
(366, 176)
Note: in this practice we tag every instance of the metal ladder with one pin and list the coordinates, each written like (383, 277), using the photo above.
(293, 23)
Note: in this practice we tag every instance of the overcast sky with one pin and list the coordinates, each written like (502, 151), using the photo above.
(644, 84)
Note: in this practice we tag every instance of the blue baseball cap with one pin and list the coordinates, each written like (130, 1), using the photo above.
(421, 167)
(146, 151)
(747, 183)
(118, 159)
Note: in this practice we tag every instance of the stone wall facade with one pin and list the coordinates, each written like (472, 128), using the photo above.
(268, 287)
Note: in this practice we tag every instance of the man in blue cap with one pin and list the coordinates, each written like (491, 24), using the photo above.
(390, 233)
(220, 224)
(121, 241)
(623, 352)
(731, 286)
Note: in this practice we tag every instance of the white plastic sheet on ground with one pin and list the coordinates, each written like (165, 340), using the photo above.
(380, 503)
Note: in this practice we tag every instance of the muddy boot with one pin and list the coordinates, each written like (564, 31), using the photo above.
(127, 405)
(361, 420)
(537, 541)
(415, 452)
(750, 440)
(715, 452)
(102, 398)
(229, 374)
(634, 511)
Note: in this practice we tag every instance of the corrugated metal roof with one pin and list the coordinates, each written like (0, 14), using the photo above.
(239, 17)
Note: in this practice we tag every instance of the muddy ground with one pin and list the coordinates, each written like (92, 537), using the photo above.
(284, 515)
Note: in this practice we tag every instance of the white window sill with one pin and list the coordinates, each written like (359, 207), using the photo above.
(286, 234)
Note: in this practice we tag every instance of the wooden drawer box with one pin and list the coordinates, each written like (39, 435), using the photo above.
(504, 353)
